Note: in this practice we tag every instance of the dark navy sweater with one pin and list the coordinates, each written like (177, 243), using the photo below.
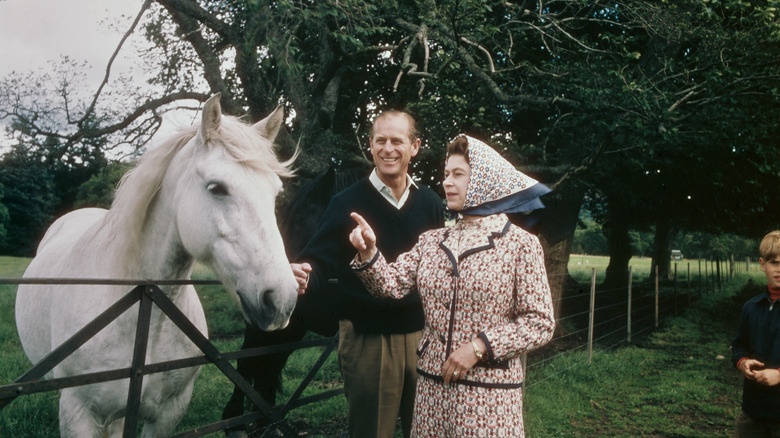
(329, 252)
(758, 337)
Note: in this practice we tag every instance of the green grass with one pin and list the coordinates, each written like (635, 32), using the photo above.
(676, 382)
(28, 416)
(668, 384)
(581, 266)
(36, 415)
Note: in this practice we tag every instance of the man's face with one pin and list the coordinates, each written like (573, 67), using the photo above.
(391, 147)
(772, 270)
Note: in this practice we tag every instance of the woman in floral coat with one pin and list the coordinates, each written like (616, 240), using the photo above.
(485, 295)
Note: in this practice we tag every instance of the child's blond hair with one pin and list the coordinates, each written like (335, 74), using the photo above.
(770, 246)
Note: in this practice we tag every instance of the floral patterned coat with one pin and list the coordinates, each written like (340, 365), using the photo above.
(481, 278)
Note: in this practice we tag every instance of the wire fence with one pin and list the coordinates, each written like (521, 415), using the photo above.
(609, 317)
(603, 318)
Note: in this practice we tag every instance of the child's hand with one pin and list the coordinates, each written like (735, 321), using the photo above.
(770, 377)
(749, 368)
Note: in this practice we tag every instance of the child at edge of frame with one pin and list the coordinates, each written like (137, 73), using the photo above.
(755, 351)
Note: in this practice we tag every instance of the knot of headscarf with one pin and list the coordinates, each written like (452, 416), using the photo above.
(495, 186)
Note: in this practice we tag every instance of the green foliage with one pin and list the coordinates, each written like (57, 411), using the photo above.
(41, 177)
(652, 106)
(31, 202)
(4, 217)
(590, 239)
(98, 191)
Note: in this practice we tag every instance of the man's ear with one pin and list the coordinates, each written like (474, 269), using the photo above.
(416, 147)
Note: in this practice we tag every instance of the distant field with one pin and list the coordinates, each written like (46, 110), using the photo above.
(581, 266)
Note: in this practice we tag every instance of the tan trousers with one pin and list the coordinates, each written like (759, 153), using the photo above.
(380, 375)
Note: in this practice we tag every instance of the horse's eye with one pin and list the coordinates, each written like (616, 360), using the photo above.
(217, 189)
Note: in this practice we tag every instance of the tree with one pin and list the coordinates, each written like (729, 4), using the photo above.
(30, 202)
(587, 96)
(98, 191)
(4, 217)
(691, 128)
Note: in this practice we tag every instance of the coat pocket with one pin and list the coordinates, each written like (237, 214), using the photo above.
(421, 349)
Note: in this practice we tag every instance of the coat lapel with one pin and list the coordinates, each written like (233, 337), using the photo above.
(465, 238)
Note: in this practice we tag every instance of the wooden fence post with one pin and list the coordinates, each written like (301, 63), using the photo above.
(675, 289)
(628, 322)
(698, 285)
(656, 296)
(688, 282)
(731, 267)
(524, 361)
(592, 313)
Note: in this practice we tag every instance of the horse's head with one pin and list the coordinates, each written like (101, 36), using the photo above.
(224, 204)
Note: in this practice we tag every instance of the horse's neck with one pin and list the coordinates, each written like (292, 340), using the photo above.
(161, 254)
(157, 253)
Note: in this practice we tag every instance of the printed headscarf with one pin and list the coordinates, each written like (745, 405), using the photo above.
(495, 186)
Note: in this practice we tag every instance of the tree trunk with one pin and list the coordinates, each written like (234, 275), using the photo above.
(616, 230)
(555, 232)
(662, 249)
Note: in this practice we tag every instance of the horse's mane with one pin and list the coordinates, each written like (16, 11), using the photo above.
(125, 221)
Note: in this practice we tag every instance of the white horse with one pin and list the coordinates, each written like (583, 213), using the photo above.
(207, 195)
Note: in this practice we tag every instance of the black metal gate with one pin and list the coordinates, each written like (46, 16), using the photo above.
(146, 293)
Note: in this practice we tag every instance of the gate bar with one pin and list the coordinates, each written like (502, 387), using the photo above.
(139, 358)
(77, 340)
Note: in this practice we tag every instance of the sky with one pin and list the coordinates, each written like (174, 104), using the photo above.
(34, 32)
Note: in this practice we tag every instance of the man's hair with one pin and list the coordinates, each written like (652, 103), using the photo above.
(770, 246)
(459, 146)
(413, 134)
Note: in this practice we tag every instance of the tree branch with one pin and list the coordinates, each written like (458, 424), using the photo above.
(501, 96)
(127, 34)
(190, 29)
(193, 10)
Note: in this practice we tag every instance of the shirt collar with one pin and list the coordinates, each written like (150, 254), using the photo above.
(387, 192)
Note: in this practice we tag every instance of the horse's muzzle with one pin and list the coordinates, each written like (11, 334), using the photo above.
(272, 308)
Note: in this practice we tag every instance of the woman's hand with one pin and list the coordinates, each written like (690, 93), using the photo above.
(461, 361)
(363, 238)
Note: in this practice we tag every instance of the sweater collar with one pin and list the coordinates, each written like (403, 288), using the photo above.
(774, 294)
(387, 192)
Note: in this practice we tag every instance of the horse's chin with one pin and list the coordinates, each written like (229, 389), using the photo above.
(269, 317)
(267, 325)
(275, 326)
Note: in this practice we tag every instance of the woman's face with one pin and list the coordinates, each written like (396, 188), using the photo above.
(457, 173)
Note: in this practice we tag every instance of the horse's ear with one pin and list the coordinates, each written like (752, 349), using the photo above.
(210, 120)
(269, 126)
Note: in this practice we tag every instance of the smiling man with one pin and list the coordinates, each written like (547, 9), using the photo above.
(393, 143)
(377, 337)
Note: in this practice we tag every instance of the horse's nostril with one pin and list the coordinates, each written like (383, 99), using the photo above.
(268, 298)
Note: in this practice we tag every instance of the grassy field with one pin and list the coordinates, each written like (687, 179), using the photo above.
(676, 382)
(36, 415)
(671, 383)
(581, 266)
